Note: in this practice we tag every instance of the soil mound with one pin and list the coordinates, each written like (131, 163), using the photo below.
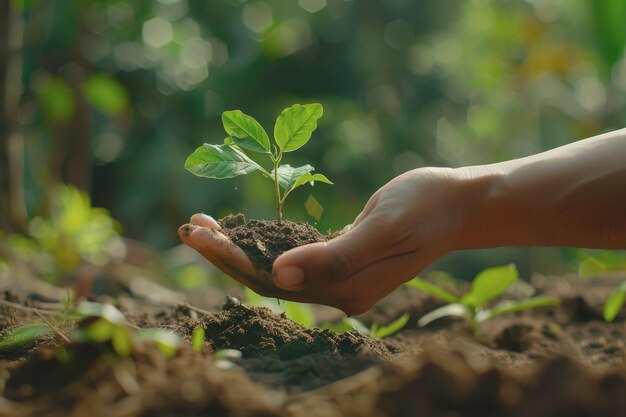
(264, 240)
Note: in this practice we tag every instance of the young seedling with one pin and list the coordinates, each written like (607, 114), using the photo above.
(105, 323)
(377, 331)
(472, 306)
(197, 338)
(614, 302)
(292, 130)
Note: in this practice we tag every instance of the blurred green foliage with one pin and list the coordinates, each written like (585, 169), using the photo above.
(119, 92)
(73, 233)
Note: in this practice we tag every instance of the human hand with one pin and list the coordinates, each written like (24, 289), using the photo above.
(407, 224)
(203, 234)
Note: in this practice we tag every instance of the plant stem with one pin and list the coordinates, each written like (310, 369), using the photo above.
(279, 202)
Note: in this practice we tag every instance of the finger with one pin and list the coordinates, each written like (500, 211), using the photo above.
(226, 256)
(319, 264)
(201, 219)
(361, 291)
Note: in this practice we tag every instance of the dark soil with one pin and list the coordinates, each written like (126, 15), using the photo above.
(561, 361)
(264, 240)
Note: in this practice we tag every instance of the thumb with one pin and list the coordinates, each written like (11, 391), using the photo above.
(318, 264)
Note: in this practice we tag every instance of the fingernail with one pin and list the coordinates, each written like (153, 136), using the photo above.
(289, 278)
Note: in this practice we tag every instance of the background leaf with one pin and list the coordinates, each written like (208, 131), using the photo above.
(197, 338)
(22, 336)
(106, 94)
(295, 125)
(449, 310)
(313, 208)
(393, 327)
(590, 267)
(57, 99)
(219, 161)
(300, 313)
(431, 289)
(490, 284)
(245, 131)
(512, 306)
(614, 302)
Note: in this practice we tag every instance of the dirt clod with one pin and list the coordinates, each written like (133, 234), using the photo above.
(264, 240)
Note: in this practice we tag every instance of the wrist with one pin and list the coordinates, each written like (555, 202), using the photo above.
(490, 215)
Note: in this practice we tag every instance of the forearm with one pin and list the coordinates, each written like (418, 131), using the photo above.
(574, 195)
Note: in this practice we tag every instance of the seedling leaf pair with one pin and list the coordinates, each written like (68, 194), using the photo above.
(487, 286)
(377, 331)
(293, 128)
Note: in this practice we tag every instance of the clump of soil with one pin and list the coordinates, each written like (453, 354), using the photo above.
(264, 240)
(97, 383)
(256, 331)
(282, 353)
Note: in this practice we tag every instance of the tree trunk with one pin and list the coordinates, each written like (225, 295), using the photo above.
(12, 209)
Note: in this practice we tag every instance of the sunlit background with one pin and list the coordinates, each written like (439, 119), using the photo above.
(110, 96)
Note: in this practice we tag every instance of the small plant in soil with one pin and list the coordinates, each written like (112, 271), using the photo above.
(293, 128)
(376, 330)
(614, 302)
(472, 306)
(96, 324)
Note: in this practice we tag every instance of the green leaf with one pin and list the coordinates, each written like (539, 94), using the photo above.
(227, 354)
(310, 178)
(490, 284)
(245, 131)
(121, 341)
(295, 125)
(338, 327)
(433, 290)
(166, 341)
(197, 339)
(22, 336)
(313, 208)
(56, 99)
(106, 94)
(287, 175)
(614, 302)
(449, 310)
(393, 327)
(512, 306)
(300, 313)
(106, 311)
(99, 331)
(357, 325)
(590, 267)
(608, 17)
(219, 161)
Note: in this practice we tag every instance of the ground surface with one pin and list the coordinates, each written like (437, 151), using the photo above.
(555, 362)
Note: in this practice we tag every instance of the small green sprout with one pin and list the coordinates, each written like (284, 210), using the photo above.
(105, 323)
(292, 130)
(225, 358)
(22, 336)
(472, 306)
(614, 302)
(197, 338)
(376, 331)
(299, 312)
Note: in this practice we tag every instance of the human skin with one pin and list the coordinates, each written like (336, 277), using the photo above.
(574, 195)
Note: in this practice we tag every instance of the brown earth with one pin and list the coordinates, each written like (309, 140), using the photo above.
(264, 240)
(562, 361)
